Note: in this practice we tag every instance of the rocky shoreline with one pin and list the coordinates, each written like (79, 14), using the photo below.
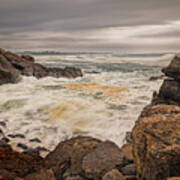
(151, 152)
(12, 66)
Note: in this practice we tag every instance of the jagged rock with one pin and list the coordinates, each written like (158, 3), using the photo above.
(170, 92)
(102, 159)
(69, 155)
(69, 72)
(113, 175)
(129, 169)
(43, 174)
(8, 74)
(173, 70)
(28, 58)
(18, 164)
(156, 143)
(12, 65)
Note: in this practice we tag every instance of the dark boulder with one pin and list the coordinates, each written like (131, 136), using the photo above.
(169, 93)
(12, 65)
(28, 58)
(105, 157)
(173, 70)
(69, 155)
(7, 76)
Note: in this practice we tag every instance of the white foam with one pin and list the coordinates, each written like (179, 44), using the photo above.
(45, 109)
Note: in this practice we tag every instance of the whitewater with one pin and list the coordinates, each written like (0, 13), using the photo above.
(104, 103)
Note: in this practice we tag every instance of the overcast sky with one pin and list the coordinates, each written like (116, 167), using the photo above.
(91, 25)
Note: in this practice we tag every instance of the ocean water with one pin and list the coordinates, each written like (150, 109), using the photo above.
(104, 103)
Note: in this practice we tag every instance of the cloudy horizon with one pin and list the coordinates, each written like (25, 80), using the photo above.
(91, 25)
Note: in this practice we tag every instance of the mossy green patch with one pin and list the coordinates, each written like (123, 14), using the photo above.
(53, 87)
(13, 104)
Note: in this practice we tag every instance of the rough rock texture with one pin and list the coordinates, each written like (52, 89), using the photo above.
(84, 157)
(105, 157)
(156, 143)
(43, 174)
(8, 74)
(12, 65)
(173, 70)
(69, 155)
(14, 164)
(169, 93)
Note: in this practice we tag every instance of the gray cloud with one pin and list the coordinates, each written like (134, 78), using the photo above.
(90, 24)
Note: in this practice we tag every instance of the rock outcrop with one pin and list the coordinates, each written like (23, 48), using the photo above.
(13, 65)
(169, 92)
(79, 158)
(156, 135)
(173, 70)
(85, 158)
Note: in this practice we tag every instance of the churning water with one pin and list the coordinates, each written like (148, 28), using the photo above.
(104, 103)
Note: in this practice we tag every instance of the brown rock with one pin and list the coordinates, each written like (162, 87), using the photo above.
(113, 175)
(156, 143)
(174, 178)
(28, 58)
(43, 174)
(69, 155)
(12, 65)
(2, 51)
(7, 76)
(18, 164)
(105, 157)
(173, 70)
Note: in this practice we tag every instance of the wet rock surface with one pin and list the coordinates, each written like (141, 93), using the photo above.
(173, 70)
(13, 65)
